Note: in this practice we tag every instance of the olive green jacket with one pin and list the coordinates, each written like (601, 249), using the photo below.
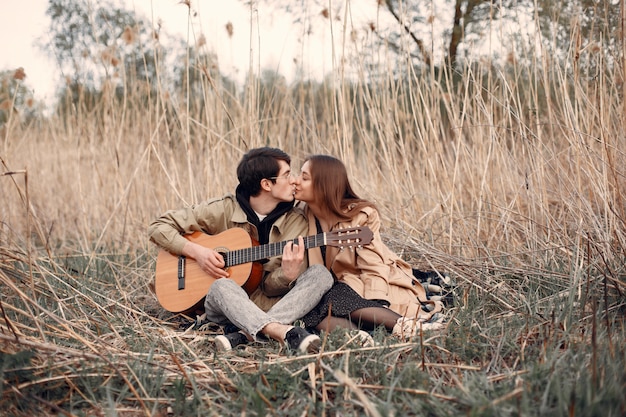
(220, 214)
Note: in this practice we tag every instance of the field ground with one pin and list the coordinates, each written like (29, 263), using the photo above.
(515, 187)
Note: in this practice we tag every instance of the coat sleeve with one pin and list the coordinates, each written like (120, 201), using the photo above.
(370, 260)
(168, 229)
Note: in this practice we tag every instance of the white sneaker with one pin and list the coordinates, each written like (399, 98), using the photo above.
(407, 328)
(362, 337)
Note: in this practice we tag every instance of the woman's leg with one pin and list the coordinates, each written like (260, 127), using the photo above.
(371, 317)
(330, 323)
(403, 327)
(364, 318)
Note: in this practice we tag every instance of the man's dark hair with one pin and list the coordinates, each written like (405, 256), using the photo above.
(257, 164)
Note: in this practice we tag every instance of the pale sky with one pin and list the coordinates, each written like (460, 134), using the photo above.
(21, 23)
(274, 43)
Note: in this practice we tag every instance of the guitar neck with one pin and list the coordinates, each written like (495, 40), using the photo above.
(256, 253)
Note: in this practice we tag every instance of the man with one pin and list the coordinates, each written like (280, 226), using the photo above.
(263, 205)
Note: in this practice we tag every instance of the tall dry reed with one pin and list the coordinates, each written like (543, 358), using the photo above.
(511, 177)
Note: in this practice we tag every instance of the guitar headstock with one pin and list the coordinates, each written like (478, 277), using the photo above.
(353, 236)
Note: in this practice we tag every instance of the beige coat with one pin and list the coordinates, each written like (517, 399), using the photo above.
(218, 215)
(373, 271)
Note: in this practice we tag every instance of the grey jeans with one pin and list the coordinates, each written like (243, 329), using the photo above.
(227, 302)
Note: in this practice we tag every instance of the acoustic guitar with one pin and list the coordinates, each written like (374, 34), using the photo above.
(180, 284)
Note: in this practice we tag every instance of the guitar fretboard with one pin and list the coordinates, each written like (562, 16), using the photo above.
(256, 253)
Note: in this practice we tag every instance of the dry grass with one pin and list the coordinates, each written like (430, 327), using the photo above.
(512, 180)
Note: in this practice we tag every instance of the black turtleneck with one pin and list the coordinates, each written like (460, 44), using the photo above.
(264, 226)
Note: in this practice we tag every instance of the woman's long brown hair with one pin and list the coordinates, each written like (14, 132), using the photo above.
(332, 189)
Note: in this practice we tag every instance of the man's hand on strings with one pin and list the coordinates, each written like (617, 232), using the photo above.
(293, 257)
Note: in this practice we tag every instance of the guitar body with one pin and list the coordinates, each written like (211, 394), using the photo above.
(181, 285)
(196, 281)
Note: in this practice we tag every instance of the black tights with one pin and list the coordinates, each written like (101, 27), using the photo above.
(365, 318)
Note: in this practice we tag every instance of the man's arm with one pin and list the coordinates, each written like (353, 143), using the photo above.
(168, 230)
(209, 260)
(284, 270)
(292, 265)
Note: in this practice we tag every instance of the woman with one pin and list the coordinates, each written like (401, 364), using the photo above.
(375, 286)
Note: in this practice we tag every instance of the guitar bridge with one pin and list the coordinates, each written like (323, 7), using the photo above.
(181, 272)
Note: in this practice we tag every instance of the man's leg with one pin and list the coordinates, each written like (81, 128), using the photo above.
(226, 300)
(308, 290)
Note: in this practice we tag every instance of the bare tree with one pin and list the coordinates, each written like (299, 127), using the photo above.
(92, 43)
(418, 22)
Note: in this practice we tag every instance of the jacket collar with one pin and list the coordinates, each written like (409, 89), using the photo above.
(274, 219)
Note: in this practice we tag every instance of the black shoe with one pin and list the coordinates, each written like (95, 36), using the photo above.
(226, 342)
(438, 286)
(298, 339)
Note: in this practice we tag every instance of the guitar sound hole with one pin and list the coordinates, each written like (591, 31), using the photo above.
(224, 252)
